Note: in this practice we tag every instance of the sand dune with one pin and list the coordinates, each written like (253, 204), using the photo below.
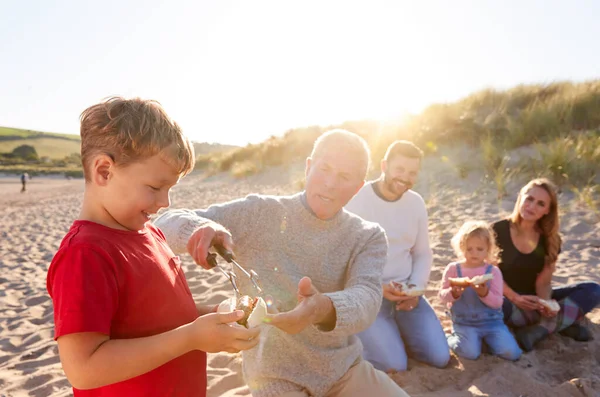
(32, 225)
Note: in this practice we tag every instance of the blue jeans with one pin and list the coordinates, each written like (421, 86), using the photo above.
(396, 335)
(466, 340)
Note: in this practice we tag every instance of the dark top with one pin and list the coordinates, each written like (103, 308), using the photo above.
(519, 270)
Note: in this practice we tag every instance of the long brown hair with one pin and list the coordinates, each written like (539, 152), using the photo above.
(549, 224)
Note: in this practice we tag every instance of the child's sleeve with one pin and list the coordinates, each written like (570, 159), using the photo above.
(84, 290)
(446, 289)
(494, 297)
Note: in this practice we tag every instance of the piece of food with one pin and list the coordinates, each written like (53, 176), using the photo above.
(481, 279)
(551, 305)
(460, 281)
(408, 289)
(255, 309)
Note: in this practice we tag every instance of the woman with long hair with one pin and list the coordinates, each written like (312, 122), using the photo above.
(530, 242)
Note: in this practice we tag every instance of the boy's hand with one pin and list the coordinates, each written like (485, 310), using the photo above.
(213, 333)
(457, 291)
(205, 237)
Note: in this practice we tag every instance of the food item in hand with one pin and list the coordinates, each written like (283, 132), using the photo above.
(467, 281)
(255, 309)
(408, 289)
(551, 305)
(482, 279)
(460, 281)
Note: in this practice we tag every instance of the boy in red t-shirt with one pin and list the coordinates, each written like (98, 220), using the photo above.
(125, 320)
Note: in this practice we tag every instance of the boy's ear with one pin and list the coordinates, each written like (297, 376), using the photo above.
(102, 169)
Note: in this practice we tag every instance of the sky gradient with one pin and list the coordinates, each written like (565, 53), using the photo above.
(237, 72)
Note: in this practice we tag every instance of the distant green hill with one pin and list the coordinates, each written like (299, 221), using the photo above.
(7, 133)
(47, 144)
(57, 146)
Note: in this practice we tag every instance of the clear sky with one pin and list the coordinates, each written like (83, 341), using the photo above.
(240, 71)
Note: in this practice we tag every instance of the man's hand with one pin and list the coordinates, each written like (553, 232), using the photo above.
(313, 308)
(393, 294)
(205, 237)
(403, 302)
(408, 304)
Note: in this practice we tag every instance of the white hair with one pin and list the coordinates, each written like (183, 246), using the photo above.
(341, 139)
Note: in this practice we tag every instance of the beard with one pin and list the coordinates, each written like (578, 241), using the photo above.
(390, 185)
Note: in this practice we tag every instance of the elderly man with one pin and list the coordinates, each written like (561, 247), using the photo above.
(404, 324)
(321, 264)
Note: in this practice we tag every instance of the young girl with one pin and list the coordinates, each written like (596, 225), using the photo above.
(473, 289)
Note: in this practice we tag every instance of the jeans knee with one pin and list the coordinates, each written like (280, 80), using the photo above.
(595, 292)
(439, 358)
(587, 296)
(511, 353)
(398, 364)
(464, 349)
(467, 352)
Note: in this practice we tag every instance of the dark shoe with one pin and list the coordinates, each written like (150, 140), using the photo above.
(527, 337)
(577, 332)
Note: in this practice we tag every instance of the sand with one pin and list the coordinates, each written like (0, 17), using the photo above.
(32, 225)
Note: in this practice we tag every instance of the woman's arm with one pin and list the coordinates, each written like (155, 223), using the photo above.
(543, 283)
(525, 302)
(508, 292)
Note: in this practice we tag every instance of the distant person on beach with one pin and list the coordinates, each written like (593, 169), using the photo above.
(24, 177)
(472, 287)
(530, 243)
(125, 320)
(321, 264)
(406, 324)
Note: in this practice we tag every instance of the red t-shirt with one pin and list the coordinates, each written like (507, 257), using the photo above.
(125, 284)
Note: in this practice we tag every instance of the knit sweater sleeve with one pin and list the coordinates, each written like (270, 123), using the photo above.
(357, 305)
(237, 216)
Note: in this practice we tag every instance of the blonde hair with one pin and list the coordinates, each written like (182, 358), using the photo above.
(478, 229)
(353, 144)
(130, 130)
(549, 224)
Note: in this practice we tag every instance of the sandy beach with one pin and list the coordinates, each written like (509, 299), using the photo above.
(32, 225)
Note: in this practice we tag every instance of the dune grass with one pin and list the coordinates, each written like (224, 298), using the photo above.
(491, 120)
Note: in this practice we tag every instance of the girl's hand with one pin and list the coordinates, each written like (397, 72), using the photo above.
(481, 289)
(457, 291)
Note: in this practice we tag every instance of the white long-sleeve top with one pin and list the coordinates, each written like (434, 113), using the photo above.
(405, 222)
